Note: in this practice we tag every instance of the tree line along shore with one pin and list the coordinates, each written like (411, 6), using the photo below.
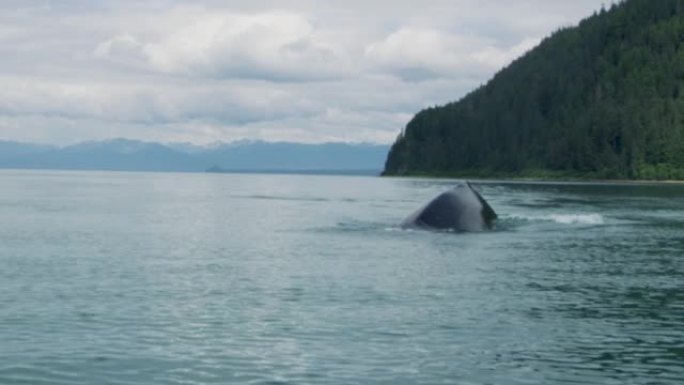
(602, 100)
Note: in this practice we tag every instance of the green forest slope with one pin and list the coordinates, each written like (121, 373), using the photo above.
(604, 99)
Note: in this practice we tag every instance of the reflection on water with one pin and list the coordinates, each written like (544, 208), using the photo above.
(178, 278)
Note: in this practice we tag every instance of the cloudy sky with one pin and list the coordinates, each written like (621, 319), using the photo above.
(300, 70)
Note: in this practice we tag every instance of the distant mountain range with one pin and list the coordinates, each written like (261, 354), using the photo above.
(243, 156)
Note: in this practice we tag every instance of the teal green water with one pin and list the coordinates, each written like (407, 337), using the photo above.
(135, 278)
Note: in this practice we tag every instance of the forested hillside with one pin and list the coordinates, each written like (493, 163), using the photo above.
(604, 99)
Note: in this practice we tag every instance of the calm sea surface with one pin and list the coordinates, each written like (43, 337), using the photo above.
(136, 278)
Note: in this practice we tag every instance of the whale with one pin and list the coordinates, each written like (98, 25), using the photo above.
(461, 209)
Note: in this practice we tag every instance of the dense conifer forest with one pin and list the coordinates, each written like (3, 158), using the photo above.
(604, 99)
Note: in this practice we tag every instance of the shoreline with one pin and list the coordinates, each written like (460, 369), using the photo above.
(532, 180)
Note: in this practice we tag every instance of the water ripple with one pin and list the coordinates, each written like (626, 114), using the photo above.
(313, 283)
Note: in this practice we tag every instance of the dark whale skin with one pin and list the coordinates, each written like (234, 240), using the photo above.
(460, 209)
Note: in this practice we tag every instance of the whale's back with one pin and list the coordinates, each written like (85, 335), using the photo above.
(459, 209)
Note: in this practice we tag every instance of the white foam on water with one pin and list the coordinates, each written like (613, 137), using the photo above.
(571, 219)
(396, 229)
(565, 219)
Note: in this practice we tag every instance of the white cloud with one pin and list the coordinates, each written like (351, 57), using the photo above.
(123, 49)
(226, 69)
(227, 102)
(495, 57)
(273, 45)
(419, 54)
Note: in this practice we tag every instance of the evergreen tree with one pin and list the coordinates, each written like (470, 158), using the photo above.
(604, 99)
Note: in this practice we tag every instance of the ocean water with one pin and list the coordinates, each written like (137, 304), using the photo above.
(141, 278)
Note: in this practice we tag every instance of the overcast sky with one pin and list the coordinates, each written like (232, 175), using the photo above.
(301, 70)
